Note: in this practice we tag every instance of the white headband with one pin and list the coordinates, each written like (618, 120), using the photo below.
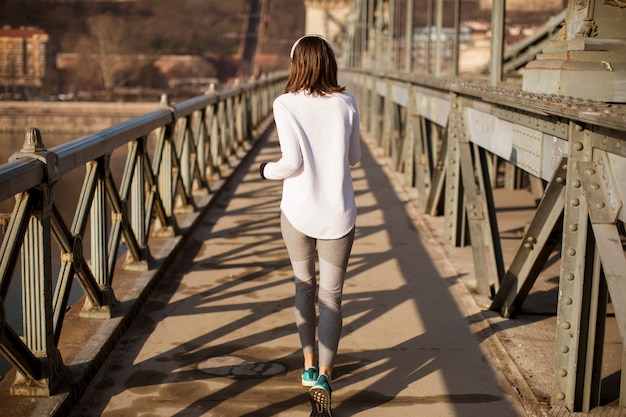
(293, 47)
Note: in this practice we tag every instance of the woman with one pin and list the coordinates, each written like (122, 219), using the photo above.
(318, 130)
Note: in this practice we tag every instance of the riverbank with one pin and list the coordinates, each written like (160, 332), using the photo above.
(67, 117)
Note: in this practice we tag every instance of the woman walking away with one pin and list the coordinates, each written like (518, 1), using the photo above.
(318, 130)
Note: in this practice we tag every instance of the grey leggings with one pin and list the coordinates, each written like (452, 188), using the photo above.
(333, 261)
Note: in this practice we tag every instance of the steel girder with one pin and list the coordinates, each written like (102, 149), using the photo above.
(579, 213)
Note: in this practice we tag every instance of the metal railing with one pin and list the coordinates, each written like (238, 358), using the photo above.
(446, 136)
(174, 156)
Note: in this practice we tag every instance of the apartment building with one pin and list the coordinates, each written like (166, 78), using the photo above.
(22, 57)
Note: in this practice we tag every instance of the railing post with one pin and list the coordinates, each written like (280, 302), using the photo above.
(165, 163)
(439, 31)
(454, 209)
(37, 279)
(238, 108)
(230, 126)
(137, 205)
(387, 128)
(497, 41)
(409, 30)
(248, 115)
(99, 245)
(183, 128)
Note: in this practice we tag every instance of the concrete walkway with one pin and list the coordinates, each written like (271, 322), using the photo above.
(217, 337)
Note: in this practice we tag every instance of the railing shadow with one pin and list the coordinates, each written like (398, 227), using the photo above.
(402, 324)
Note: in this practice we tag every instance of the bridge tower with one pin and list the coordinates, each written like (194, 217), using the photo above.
(327, 18)
(253, 36)
(588, 59)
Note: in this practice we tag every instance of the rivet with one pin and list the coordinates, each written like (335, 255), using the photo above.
(595, 186)
(600, 205)
(567, 301)
(573, 227)
(578, 146)
(579, 128)
(531, 239)
(577, 184)
(570, 277)
(575, 202)
(564, 349)
(566, 325)
(590, 171)
(563, 372)
(560, 396)
(571, 252)
(528, 245)
(560, 180)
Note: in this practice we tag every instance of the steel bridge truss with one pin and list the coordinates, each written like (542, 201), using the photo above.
(444, 137)
(173, 154)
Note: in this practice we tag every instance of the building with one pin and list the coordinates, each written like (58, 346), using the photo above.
(327, 18)
(22, 57)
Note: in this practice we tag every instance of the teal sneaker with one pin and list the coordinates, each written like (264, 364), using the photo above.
(319, 395)
(309, 377)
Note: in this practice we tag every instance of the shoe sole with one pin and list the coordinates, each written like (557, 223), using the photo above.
(307, 383)
(320, 403)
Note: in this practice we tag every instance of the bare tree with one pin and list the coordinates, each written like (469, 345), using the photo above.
(87, 72)
(107, 40)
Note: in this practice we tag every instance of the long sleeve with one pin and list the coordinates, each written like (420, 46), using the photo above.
(291, 159)
(319, 140)
(354, 155)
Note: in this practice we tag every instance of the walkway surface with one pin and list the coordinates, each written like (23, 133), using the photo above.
(217, 337)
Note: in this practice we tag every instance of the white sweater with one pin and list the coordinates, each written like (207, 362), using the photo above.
(319, 140)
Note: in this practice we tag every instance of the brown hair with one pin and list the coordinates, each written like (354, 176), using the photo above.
(313, 67)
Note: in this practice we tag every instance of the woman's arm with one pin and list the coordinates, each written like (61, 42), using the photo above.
(354, 153)
(291, 158)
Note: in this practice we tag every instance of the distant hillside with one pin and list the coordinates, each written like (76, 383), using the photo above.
(156, 26)
(102, 49)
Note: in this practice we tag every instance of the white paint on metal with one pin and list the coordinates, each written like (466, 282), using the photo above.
(526, 149)
(380, 88)
(433, 108)
(490, 133)
(531, 150)
(617, 165)
(400, 94)
(553, 149)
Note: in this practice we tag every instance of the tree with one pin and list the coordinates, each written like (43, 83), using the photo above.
(107, 41)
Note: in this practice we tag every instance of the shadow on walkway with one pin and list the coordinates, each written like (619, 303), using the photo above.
(217, 337)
